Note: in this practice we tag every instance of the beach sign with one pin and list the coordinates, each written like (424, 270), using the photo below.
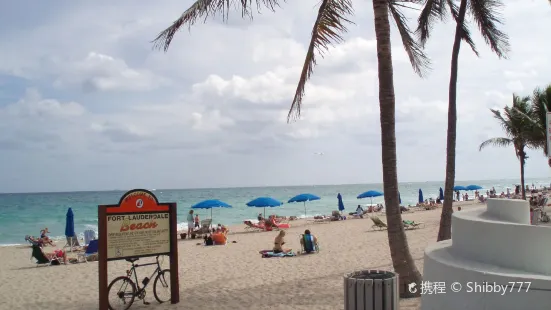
(138, 226)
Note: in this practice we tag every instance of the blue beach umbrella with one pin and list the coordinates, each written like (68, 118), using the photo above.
(370, 194)
(473, 187)
(399, 197)
(303, 198)
(441, 194)
(264, 202)
(210, 204)
(70, 224)
(459, 188)
(421, 200)
(341, 204)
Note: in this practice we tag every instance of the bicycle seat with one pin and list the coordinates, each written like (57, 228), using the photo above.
(132, 259)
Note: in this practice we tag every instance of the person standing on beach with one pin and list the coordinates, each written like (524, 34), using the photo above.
(197, 221)
(190, 223)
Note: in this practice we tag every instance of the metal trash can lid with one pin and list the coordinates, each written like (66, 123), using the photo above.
(371, 275)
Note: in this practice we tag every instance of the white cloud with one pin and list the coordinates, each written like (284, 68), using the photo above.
(99, 72)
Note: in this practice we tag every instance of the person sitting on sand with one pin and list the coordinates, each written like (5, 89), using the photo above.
(279, 241)
(260, 217)
(45, 239)
(309, 242)
(359, 211)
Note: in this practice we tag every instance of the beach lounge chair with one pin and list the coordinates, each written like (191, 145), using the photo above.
(91, 250)
(412, 224)
(89, 235)
(307, 245)
(377, 223)
(42, 259)
(72, 242)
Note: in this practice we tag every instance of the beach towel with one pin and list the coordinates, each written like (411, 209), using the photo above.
(268, 254)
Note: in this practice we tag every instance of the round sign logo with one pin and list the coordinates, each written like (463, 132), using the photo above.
(139, 203)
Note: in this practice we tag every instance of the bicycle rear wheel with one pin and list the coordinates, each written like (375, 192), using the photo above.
(161, 286)
(123, 290)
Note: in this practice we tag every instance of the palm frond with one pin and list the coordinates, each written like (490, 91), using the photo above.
(432, 9)
(204, 9)
(328, 29)
(486, 15)
(499, 142)
(419, 61)
(503, 122)
(465, 32)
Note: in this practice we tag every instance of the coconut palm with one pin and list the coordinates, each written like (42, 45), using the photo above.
(517, 130)
(484, 14)
(541, 104)
(332, 19)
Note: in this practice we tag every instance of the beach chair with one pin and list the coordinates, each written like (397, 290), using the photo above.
(412, 224)
(307, 245)
(72, 243)
(377, 223)
(42, 259)
(89, 235)
(91, 250)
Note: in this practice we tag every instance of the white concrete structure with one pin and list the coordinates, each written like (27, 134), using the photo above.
(493, 245)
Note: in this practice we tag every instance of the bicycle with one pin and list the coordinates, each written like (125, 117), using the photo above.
(127, 297)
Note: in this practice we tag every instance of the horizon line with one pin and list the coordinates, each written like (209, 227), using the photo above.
(238, 187)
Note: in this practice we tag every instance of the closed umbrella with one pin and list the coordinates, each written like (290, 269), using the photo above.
(341, 204)
(399, 197)
(210, 204)
(70, 228)
(303, 198)
(264, 202)
(421, 200)
(370, 194)
(441, 194)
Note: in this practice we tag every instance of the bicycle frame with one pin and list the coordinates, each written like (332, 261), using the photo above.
(134, 271)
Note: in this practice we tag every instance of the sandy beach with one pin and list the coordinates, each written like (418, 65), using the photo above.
(232, 276)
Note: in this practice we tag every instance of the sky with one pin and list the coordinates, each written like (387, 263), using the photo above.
(87, 104)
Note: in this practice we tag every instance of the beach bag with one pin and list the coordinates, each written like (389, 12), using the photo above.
(209, 241)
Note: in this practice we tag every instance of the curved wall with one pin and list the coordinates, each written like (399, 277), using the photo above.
(505, 244)
(509, 210)
(443, 266)
(498, 245)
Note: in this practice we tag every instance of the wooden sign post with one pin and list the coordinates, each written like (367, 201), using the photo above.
(139, 226)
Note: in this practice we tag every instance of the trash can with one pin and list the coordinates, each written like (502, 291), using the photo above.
(371, 290)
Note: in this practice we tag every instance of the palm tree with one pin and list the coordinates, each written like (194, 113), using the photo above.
(541, 104)
(484, 13)
(328, 28)
(517, 130)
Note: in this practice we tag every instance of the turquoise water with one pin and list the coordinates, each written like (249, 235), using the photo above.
(26, 214)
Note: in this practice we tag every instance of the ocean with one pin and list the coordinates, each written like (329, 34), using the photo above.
(27, 214)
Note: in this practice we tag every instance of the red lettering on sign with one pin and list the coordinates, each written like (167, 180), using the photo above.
(139, 226)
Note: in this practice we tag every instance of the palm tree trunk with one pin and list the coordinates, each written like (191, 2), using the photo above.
(522, 159)
(399, 250)
(445, 231)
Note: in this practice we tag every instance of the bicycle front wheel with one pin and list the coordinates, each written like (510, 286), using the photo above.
(121, 293)
(161, 286)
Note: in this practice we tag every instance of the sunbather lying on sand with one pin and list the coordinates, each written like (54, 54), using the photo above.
(279, 242)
